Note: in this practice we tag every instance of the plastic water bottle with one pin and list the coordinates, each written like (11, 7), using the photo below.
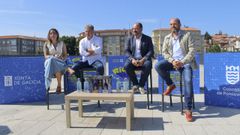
(121, 82)
(125, 85)
(109, 85)
(95, 85)
(118, 85)
(100, 86)
(86, 86)
(79, 85)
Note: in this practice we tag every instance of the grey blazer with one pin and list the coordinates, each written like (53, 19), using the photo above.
(187, 45)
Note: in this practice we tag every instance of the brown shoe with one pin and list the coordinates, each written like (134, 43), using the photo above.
(169, 89)
(188, 115)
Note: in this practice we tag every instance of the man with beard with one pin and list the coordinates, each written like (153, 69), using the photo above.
(139, 49)
(178, 51)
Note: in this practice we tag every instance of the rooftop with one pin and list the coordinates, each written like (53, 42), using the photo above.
(183, 28)
(109, 31)
(22, 37)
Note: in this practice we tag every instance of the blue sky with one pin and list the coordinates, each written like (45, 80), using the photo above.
(36, 17)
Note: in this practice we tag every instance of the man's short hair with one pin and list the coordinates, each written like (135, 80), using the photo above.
(89, 26)
(178, 20)
(139, 24)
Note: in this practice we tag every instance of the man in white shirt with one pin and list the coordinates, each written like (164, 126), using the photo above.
(90, 48)
(178, 51)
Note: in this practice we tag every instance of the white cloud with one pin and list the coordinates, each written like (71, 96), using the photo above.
(26, 12)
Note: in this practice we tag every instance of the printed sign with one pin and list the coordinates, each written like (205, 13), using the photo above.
(222, 84)
(116, 69)
(21, 79)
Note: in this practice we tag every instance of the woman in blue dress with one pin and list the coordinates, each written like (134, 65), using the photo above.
(55, 53)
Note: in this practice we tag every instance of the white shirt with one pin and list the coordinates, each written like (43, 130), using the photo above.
(138, 48)
(56, 52)
(177, 50)
(94, 43)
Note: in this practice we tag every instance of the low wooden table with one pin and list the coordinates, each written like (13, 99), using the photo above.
(126, 97)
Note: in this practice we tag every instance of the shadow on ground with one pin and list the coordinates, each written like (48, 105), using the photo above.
(138, 123)
(4, 130)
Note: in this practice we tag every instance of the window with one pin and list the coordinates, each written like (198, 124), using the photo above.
(13, 42)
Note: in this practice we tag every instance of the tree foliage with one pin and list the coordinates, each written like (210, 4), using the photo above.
(207, 36)
(214, 49)
(71, 44)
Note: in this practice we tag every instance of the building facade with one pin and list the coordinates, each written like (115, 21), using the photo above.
(113, 40)
(158, 36)
(225, 42)
(21, 45)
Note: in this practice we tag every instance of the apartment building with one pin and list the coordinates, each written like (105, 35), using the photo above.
(21, 45)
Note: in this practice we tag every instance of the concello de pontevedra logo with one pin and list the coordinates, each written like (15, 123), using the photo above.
(232, 74)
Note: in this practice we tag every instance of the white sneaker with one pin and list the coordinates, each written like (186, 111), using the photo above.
(141, 89)
(135, 88)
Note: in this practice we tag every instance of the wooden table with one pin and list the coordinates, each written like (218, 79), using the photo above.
(126, 97)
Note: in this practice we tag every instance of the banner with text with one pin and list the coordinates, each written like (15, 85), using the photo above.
(222, 79)
(116, 68)
(21, 79)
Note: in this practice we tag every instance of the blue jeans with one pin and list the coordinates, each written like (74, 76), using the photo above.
(53, 65)
(145, 71)
(164, 67)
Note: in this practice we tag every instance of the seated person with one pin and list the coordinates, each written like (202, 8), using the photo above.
(55, 53)
(90, 48)
(139, 49)
(178, 51)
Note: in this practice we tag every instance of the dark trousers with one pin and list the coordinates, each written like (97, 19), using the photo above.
(145, 71)
(98, 65)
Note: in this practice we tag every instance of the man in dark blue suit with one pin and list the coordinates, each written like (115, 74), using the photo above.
(139, 49)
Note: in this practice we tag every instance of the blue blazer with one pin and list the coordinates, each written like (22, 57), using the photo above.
(146, 47)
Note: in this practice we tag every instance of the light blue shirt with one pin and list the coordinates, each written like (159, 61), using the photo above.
(138, 48)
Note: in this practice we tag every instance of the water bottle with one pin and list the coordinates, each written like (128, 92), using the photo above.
(118, 85)
(109, 85)
(90, 84)
(79, 85)
(86, 86)
(121, 82)
(125, 85)
(100, 86)
(95, 85)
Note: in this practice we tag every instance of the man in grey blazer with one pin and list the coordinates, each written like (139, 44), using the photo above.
(178, 51)
(139, 49)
